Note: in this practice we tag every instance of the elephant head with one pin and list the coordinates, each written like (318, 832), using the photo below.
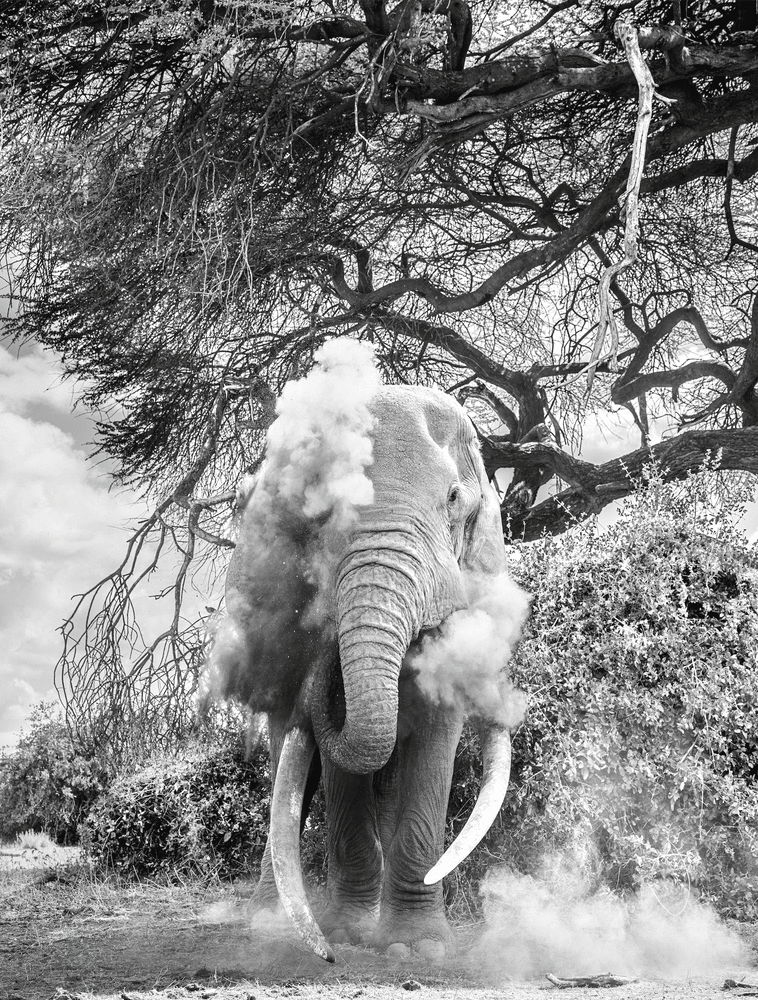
(392, 572)
(434, 519)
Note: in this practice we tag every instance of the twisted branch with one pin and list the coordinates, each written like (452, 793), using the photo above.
(628, 36)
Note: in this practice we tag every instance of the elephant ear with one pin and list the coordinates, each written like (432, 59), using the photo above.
(491, 592)
(484, 548)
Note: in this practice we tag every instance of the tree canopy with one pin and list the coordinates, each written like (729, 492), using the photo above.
(197, 194)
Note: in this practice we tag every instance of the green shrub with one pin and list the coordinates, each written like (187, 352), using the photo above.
(313, 844)
(46, 782)
(638, 753)
(201, 810)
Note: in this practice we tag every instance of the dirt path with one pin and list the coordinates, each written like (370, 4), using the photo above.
(65, 934)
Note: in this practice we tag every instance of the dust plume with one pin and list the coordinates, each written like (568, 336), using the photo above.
(317, 453)
(463, 662)
(295, 515)
(319, 446)
(225, 659)
(536, 926)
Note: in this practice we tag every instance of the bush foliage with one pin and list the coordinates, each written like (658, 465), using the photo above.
(47, 783)
(201, 810)
(638, 752)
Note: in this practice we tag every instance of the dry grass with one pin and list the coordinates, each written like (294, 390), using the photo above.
(44, 889)
(34, 841)
(69, 934)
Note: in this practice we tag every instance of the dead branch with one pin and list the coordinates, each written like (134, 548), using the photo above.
(577, 982)
(744, 989)
(111, 681)
(594, 218)
(627, 34)
(596, 485)
(498, 407)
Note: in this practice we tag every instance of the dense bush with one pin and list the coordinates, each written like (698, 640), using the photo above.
(46, 782)
(199, 810)
(638, 752)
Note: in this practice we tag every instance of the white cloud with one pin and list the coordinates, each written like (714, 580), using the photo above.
(30, 379)
(60, 528)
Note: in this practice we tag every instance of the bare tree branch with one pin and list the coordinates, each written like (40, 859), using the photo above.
(596, 486)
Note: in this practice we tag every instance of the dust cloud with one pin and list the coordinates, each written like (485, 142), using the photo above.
(317, 453)
(535, 926)
(319, 446)
(296, 511)
(463, 662)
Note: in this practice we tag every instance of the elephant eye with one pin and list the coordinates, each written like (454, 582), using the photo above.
(453, 495)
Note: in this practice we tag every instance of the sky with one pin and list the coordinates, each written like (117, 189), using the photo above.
(62, 529)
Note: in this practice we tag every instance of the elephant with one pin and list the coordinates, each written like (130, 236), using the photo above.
(325, 616)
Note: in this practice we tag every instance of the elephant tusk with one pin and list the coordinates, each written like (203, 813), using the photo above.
(496, 770)
(286, 807)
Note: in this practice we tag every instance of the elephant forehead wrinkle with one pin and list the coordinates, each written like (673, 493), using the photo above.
(387, 558)
(391, 541)
(413, 524)
(408, 525)
(397, 521)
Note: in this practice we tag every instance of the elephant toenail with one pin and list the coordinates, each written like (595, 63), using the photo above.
(431, 951)
(399, 952)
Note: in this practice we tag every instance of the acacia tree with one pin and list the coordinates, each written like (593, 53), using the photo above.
(546, 208)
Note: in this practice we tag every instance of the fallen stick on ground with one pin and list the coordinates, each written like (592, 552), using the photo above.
(575, 982)
(743, 988)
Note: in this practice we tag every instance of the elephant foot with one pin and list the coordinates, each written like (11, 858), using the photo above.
(268, 917)
(427, 938)
(427, 949)
(265, 908)
(348, 924)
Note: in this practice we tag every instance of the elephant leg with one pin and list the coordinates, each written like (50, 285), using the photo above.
(412, 915)
(354, 855)
(266, 895)
(385, 798)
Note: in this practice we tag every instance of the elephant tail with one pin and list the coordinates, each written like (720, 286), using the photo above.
(284, 837)
(496, 770)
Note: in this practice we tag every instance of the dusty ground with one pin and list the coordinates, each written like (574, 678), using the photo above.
(66, 935)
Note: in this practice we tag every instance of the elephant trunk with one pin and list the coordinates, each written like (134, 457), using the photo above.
(379, 609)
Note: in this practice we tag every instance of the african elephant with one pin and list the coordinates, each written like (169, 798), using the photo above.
(326, 615)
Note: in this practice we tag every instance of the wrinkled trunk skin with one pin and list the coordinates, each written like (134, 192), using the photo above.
(381, 591)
